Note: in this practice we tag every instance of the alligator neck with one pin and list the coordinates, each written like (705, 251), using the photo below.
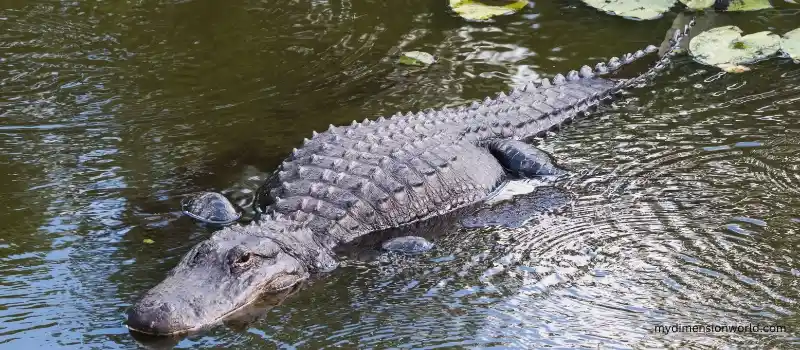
(295, 237)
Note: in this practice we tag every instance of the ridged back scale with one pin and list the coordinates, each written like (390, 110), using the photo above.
(389, 172)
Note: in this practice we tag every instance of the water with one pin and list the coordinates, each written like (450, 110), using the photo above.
(685, 193)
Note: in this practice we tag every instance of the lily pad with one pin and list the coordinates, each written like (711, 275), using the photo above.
(148, 241)
(698, 4)
(636, 9)
(726, 46)
(790, 44)
(416, 58)
(476, 11)
(746, 5)
(728, 5)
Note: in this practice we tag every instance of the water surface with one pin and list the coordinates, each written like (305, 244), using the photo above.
(685, 192)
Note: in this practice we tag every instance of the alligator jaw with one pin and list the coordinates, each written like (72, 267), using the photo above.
(216, 278)
(266, 290)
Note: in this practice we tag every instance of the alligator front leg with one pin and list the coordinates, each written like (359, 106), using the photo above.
(522, 159)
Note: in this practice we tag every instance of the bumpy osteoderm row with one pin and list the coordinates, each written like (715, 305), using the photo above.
(376, 174)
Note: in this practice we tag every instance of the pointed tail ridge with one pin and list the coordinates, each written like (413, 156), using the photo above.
(663, 62)
(617, 63)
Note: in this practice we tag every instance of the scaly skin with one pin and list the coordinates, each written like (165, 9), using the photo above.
(353, 180)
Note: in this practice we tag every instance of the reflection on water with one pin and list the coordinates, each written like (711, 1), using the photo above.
(685, 192)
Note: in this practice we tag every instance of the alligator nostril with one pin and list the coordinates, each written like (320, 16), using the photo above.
(167, 307)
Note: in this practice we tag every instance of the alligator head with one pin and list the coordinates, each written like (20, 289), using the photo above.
(225, 273)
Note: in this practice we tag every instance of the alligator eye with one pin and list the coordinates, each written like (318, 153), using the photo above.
(243, 259)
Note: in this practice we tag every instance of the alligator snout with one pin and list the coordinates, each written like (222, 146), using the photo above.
(156, 319)
(214, 279)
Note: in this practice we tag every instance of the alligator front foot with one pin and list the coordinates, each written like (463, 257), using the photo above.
(210, 208)
(522, 159)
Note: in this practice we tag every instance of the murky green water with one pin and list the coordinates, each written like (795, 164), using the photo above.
(686, 193)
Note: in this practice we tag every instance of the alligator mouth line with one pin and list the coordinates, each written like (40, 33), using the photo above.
(299, 279)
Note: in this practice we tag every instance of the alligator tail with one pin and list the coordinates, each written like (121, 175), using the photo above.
(582, 86)
(663, 62)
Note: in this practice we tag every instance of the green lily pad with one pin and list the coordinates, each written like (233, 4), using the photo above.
(698, 4)
(748, 5)
(726, 46)
(148, 241)
(790, 44)
(731, 5)
(636, 9)
(416, 58)
(476, 11)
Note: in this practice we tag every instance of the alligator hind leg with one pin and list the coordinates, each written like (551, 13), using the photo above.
(522, 159)
(520, 209)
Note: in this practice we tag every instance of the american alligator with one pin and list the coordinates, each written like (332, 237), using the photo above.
(354, 180)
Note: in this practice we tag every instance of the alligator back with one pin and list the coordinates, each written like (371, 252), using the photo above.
(381, 174)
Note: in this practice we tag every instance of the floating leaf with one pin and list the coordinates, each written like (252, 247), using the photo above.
(416, 58)
(728, 5)
(698, 4)
(747, 5)
(790, 44)
(637, 9)
(733, 68)
(726, 45)
(148, 241)
(476, 11)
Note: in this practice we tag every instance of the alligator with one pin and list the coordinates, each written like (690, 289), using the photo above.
(354, 180)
